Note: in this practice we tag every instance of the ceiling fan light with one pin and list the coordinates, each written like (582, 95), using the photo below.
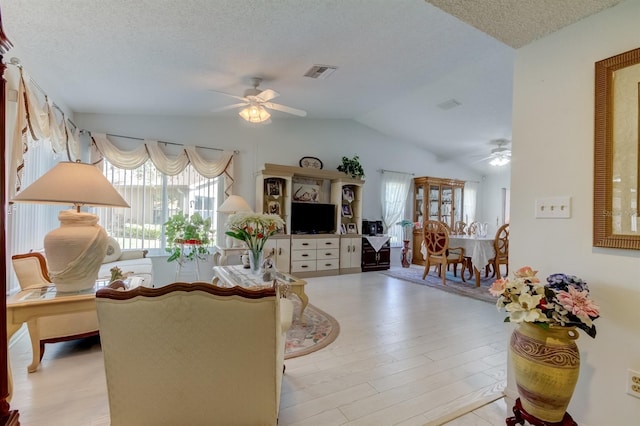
(499, 161)
(254, 114)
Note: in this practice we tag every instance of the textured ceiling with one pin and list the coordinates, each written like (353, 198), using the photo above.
(519, 22)
(397, 60)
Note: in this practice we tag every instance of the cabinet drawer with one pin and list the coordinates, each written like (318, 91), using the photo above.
(322, 243)
(327, 264)
(303, 255)
(303, 244)
(303, 265)
(327, 253)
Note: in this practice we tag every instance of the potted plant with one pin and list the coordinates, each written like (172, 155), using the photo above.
(188, 237)
(352, 167)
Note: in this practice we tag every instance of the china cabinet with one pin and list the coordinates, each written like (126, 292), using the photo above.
(435, 199)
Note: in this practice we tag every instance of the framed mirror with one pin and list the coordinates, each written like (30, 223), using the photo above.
(617, 152)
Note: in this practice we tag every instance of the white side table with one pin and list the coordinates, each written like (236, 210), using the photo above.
(220, 254)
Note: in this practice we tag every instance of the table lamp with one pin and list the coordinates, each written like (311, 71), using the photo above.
(233, 204)
(74, 251)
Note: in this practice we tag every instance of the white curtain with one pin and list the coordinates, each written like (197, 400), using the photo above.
(170, 166)
(470, 201)
(395, 188)
(38, 121)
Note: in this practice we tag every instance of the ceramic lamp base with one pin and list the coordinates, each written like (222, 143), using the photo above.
(75, 251)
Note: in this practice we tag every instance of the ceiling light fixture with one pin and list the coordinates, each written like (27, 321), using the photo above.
(501, 160)
(255, 113)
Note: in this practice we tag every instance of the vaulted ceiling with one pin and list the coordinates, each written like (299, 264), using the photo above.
(436, 73)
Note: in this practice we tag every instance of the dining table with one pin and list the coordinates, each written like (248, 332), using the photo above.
(479, 249)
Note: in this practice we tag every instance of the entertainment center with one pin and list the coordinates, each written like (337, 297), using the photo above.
(322, 211)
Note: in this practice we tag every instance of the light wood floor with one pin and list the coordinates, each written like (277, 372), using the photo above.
(406, 355)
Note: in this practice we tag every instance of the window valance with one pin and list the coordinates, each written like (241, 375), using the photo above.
(169, 165)
(37, 121)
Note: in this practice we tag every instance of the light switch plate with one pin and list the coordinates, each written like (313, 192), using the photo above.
(553, 208)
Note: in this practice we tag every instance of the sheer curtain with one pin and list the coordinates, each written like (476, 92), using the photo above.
(395, 188)
(470, 201)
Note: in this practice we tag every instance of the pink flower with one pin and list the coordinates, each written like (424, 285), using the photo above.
(498, 287)
(527, 272)
(578, 303)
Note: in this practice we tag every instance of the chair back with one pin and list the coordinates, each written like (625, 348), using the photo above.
(459, 227)
(472, 229)
(192, 353)
(436, 238)
(501, 244)
(31, 270)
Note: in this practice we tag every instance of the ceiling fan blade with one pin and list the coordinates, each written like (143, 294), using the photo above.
(286, 109)
(267, 95)
(224, 108)
(229, 94)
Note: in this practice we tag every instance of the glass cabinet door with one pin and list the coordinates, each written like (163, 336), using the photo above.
(446, 205)
(434, 202)
(458, 205)
(418, 203)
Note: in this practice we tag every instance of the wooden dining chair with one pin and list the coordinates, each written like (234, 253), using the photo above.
(459, 228)
(436, 240)
(472, 228)
(501, 247)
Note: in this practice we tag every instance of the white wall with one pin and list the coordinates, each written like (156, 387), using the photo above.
(553, 155)
(285, 141)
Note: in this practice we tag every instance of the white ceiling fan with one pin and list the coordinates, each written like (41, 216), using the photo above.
(500, 155)
(256, 102)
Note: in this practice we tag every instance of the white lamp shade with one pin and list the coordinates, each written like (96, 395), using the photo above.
(254, 114)
(76, 184)
(233, 204)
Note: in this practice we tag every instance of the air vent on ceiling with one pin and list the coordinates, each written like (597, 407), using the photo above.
(451, 103)
(320, 72)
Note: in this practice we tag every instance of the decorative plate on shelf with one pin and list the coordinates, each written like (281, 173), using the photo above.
(311, 162)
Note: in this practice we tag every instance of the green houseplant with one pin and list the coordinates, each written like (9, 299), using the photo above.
(188, 237)
(352, 167)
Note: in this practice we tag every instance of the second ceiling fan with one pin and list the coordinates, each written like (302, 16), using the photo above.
(256, 102)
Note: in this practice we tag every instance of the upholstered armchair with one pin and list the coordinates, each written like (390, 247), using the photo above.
(193, 353)
(31, 270)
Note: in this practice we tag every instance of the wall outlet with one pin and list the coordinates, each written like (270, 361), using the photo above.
(633, 383)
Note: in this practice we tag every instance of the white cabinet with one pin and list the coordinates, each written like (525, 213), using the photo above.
(350, 254)
(280, 249)
(315, 256)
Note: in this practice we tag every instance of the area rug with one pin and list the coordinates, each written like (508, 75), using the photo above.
(455, 285)
(316, 331)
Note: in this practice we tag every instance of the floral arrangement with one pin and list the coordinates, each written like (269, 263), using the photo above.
(117, 274)
(563, 301)
(253, 228)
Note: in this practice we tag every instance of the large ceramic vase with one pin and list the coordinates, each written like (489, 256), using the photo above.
(546, 364)
(406, 254)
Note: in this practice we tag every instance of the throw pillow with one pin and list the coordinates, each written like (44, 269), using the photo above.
(113, 251)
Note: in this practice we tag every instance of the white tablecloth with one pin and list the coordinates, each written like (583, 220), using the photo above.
(480, 250)
(377, 242)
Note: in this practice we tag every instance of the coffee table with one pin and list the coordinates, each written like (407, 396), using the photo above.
(236, 275)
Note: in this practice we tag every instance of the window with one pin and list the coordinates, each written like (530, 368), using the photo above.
(154, 197)
(395, 188)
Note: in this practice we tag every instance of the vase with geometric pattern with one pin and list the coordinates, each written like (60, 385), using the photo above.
(546, 366)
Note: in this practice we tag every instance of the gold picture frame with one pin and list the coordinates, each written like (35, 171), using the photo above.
(617, 152)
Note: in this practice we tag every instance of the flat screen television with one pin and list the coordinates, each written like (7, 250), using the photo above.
(313, 218)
